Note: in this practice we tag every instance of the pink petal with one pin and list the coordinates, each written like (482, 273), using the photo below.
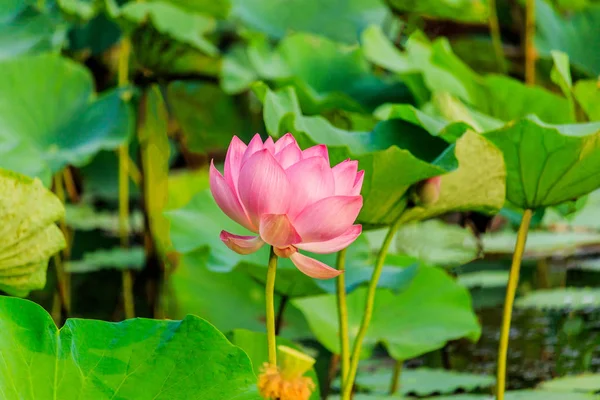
(345, 175)
(360, 177)
(319, 150)
(278, 231)
(269, 145)
(284, 141)
(264, 187)
(233, 161)
(241, 244)
(289, 155)
(313, 268)
(327, 218)
(254, 146)
(311, 180)
(227, 200)
(335, 244)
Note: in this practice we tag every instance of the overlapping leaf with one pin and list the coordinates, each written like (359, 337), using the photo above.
(49, 116)
(28, 235)
(462, 10)
(431, 311)
(138, 358)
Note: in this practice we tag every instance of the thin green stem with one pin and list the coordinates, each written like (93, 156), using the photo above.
(63, 278)
(496, 37)
(395, 383)
(343, 317)
(366, 320)
(511, 290)
(270, 313)
(530, 54)
(127, 278)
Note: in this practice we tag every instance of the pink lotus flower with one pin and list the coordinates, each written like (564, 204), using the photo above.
(291, 198)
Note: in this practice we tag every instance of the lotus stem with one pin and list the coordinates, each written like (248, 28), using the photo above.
(496, 37)
(70, 185)
(343, 317)
(395, 383)
(62, 277)
(511, 290)
(530, 55)
(366, 320)
(127, 278)
(270, 312)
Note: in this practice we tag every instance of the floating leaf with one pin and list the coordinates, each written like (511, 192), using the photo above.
(423, 381)
(561, 299)
(422, 318)
(69, 127)
(437, 243)
(115, 258)
(340, 20)
(586, 383)
(84, 217)
(561, 162)
(483, 279)
(520, 395)
(540, 243)
(139, 358)
(28, 235)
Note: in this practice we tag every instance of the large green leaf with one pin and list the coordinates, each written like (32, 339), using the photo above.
(340, 20)
(574, 34)
(384, 189)
(306, 61)
(587, 93)
(520, 395)
(84, 217)
(431, 311)
(139, 358)
(461, 10)
(499, 96)
(255, 345)
(49, 117)
(540, 243)
(178, 23)
(28, 235)
(477, 184)
(26, 30)
(548, 164)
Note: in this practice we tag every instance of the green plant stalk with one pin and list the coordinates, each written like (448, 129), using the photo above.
(127, 278)
(511, 290)
(343, 316)
(366, 320)
(530, 55)
(270, 303)
(395, 383)
(62, 277)
(496, 37)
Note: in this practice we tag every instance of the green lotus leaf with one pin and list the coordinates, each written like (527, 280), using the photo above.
(115, 258)
(561, 299)
(431, 311)
(548, 164)
(138, 358)
(462, 10)
(586, 383)
(49, 116)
